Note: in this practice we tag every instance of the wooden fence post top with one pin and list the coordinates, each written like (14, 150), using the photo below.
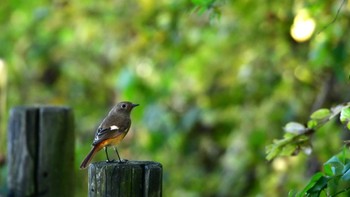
(130, 178)
(102, 164)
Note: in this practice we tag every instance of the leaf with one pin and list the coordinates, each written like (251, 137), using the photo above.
(344, 155)
(336, 110)
(294, 127)
(334, 181)
(346, 173)
(321, 114)
(320, 185)
(333, 184)
(279, 148)
(333, 159)
(345, 116)
(291, 144)
(205, 3)
(317, 183)
(313, 180)
(289, 136)
(346, 169)
(272, 151)
(319, 117)
(333, 167)
(289, 149)
(312, 124)
(292, 193)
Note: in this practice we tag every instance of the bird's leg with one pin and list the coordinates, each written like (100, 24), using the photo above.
(107, 154)
(118, 154)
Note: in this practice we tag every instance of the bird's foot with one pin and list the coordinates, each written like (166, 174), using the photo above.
(110, 161)
(123, 161)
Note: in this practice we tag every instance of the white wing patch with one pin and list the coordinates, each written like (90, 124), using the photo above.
(113, 127)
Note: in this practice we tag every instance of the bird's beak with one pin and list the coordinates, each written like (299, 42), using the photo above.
(134, 105)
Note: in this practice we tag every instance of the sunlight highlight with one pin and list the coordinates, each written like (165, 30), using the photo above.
(280, 164)
(303, 26)
(303, 74)
(144, 68)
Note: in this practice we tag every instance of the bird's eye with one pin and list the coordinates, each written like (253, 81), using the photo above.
(123, 106)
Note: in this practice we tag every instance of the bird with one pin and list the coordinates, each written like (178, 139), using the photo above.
(111, 131)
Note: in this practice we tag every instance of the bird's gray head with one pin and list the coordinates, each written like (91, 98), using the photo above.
(124, 106)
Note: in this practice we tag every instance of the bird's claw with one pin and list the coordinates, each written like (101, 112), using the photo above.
(123, 161)
(110, 161)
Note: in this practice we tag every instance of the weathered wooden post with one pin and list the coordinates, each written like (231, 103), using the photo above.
(41, 151)
(132, 178)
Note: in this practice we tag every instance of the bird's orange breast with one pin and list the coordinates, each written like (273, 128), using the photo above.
(113, 141)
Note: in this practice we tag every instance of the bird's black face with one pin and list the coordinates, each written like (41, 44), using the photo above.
(125, 106)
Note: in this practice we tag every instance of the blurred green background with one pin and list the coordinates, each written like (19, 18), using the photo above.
(215, 80)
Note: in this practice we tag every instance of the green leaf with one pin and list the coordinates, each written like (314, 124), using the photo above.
(320, 114)
(289, 149)
(333, 159)
(272, 151)
(312, 124)
(334, 167)
(345, 116)
(333, 183)
(320, 185)
(346, 173)
(291, 144)
(336, 110)
(294, 127)
(292, 193)
(317, 183)
(344, 155)
(313, 180)
(288, 136)
(280, 148)
(203, 2)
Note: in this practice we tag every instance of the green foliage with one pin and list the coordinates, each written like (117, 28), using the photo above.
(317, 183)
(204, 3)
(289, 145)
(335, 179)
(211, 6)
(345, 117)
(298, 137)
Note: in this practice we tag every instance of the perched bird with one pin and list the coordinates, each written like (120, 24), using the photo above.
(111, 131)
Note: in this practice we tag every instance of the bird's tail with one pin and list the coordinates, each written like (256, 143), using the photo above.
(88, 158)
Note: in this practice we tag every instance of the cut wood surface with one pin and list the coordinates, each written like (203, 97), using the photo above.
(131, 178)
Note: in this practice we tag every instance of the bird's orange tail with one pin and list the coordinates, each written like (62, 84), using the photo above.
(88, 158)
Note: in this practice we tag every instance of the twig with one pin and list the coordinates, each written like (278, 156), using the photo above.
(335, 18)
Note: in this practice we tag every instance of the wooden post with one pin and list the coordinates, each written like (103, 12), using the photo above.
(132, 178)
(40, 151)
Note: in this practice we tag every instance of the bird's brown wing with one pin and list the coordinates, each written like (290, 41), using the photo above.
(108, 133)
(110, 128)
(103, 131)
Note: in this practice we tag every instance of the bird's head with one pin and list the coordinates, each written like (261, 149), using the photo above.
(124, 106)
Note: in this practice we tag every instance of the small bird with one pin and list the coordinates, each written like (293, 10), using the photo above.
(111, 131)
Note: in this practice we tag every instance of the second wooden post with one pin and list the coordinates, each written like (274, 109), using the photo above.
(41, 151)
